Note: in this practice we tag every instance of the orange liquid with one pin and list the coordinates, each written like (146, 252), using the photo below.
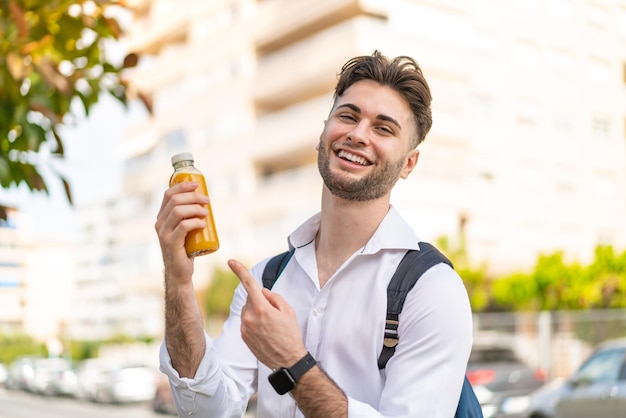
(199, 241)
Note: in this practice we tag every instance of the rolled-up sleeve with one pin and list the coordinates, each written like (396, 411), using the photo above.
(226, 376)
(210, 393)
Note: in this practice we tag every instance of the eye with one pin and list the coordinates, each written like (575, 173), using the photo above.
(347, 117)
(385, 129)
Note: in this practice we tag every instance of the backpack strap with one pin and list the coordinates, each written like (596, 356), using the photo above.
(275, 267)
(413, 265)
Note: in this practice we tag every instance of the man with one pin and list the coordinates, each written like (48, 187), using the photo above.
(330, 301)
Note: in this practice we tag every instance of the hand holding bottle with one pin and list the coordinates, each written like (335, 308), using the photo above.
(203, 240)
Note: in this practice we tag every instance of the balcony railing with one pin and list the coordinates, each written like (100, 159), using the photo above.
(308, 68)
(153, 31)
(283, 22)
(282, 133)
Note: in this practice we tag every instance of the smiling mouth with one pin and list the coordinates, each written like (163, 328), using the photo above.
(344, 155)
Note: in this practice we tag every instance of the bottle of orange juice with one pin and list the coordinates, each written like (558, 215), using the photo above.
(199, 241)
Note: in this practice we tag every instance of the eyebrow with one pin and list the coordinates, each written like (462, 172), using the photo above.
(357, 109)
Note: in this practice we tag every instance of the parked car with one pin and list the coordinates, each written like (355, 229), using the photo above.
(4, 374)
(21, 372)
(45, 370)
(126, 384)
(501, 380)
(63, 383)
(597, 389)
(89, 373)
(163, 401)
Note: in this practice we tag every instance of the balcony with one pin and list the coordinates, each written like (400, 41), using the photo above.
(302, 185)
(290, 131)
(155, 71)
(138, 7)
(139, 140)
(283, 22)
(308, 68)
(153, 31)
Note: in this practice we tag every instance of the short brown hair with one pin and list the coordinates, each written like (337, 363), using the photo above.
(401, 74)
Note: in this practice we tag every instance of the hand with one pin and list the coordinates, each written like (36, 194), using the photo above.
(182, 210)
(269, 326)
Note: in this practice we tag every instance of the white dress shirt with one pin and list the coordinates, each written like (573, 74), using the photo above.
(342, 327)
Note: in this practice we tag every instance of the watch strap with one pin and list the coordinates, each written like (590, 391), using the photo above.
(302, 366)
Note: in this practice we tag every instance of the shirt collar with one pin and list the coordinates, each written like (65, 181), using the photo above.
(392, 233)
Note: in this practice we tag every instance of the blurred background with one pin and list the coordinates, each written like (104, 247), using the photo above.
(521, 181)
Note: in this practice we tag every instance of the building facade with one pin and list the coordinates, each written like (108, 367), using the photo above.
(12, 273)
(527, 153)
(35, 279)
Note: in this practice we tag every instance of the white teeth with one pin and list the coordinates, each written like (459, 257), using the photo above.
(352, 157)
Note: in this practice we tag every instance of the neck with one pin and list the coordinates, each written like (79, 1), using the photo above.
(345, 226)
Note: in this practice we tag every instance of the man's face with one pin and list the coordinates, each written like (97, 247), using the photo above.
(365, 145)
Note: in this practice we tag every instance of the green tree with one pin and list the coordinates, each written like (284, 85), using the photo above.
(15, 345)
(219, 294)
(476, 279)
(52, 53)
(607, 274)
(81, 350)
(556, 285)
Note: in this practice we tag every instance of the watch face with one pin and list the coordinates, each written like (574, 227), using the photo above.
(282, 381)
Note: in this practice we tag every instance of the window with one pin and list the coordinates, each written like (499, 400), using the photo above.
(566, 178)
(527, 113)
(482, 105)
(599, 71)
(526, 54)
(600, 128)
(606, 237)
(564, 122)
(605, 185)
(530, 174)
(597, 15)
(530, 6)
(621, 22)
(561, 9)
(12, 281)
(234, 10)
(603, 366)
(484, 42)
(175, 140)
(562, 61)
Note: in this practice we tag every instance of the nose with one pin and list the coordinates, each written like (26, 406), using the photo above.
(359, 133)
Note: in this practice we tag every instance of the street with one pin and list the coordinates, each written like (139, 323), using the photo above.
(17, 404)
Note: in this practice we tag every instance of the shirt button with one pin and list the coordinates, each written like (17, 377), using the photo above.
(317, 311)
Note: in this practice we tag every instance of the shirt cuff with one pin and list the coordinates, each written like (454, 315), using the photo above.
(205, 381)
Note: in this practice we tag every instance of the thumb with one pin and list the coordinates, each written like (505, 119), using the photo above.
(275, 299)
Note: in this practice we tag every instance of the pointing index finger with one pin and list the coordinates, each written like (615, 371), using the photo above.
(247, 280)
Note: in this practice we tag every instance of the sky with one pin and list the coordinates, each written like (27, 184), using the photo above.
(91, 166)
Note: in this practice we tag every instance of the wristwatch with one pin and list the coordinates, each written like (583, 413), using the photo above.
(283, 380)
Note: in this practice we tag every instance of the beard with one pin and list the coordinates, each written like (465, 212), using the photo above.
(373, 186)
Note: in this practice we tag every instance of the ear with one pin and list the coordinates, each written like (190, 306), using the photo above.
(317, 146)
(411, 162)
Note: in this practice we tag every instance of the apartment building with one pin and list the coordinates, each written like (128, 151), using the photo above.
(12, 273)
(527, 148)
(527, 153)
(35, 279)
(111, 297)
